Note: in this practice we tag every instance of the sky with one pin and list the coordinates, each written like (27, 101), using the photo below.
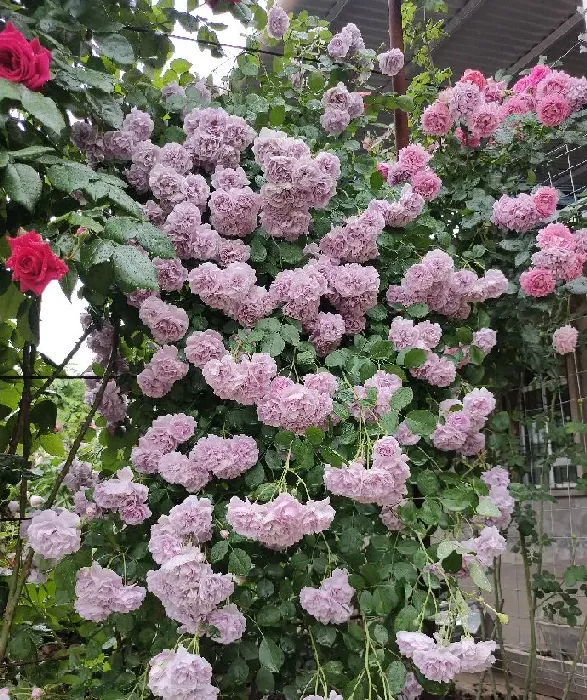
(60, 318)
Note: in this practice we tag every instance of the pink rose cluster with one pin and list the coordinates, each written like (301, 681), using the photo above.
(463, 421)
(161, 373)
(391, 62)
(245, 380)
(340, 106)
(78, 479)
(488, 545)
(188, 588)
(168, 323)
(435, 282)
(297, 407)
(383, 484)
(412, 689)
(53, 533)
(523, 212)
(203, 346)
(113, 404)
(330, 603)
(224, 625)
(280, 523)
(405, 334)
(564, 339)
(100, 592)
(436, 370)
(553, 94)
(216, 138)
(277, 22)
(232, 290)
(176, 674)
(295, 182)
(188, 524)
(412, 167)
(123, 496)
(561, 257)
(385, 385)
(356, 240)
(234, 211)
(348, 43)
(401, 212)
(484, 339)
(163, 437)
(497, 480)
(226, 458)
(441, 663)
(480, 105)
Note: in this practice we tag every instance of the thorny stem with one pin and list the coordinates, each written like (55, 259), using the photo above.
(499, 626)
(529, 682)
(578, 653)
(21, 577)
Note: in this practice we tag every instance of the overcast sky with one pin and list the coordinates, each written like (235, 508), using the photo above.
(60, 324)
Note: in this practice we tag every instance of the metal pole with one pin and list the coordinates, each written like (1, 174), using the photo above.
(396, 41)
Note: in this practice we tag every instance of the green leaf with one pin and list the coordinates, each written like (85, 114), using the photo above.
(381, 634)
(476, 356)
(133, 269)
(44, 415)
(43, 109)
(395, 675)
(154, 241)
(404, 102)
(68, 178)
(9, 90)
(277, 115)
(417, 310)
(31, 152)
(96, 252)
(273, 344)
(427, 483)
(401, 398)
(265, 682)
(478, 576)
(180, 65)
(316, 81)
(421, 422)
(414, 358)
(464, 335)
(22, 184)
(500, 421)
(10, 302)
(218, 551)
(487, 508)
(239, 562)
(575, 574)
(381, 350)
(268, 615)
(315, 436)
(405, 620)
(116, 47)
(578, 286)
(350, 541)
(270, 655)
(53, 444)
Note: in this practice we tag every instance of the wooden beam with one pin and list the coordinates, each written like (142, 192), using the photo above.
(553, 37)
(336, 9)
(396, 41)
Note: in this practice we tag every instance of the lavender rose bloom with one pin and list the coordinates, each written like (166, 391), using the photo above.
(277, 22)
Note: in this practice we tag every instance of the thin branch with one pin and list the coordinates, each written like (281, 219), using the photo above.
(51, 378)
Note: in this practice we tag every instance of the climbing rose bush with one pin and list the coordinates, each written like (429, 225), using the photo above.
(291, 491)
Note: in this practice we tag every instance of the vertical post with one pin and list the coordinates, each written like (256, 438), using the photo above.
(396, 41)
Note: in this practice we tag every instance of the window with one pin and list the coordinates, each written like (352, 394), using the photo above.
(537, 400)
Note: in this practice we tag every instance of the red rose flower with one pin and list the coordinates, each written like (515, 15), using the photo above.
(23, 61)
(33, 263)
